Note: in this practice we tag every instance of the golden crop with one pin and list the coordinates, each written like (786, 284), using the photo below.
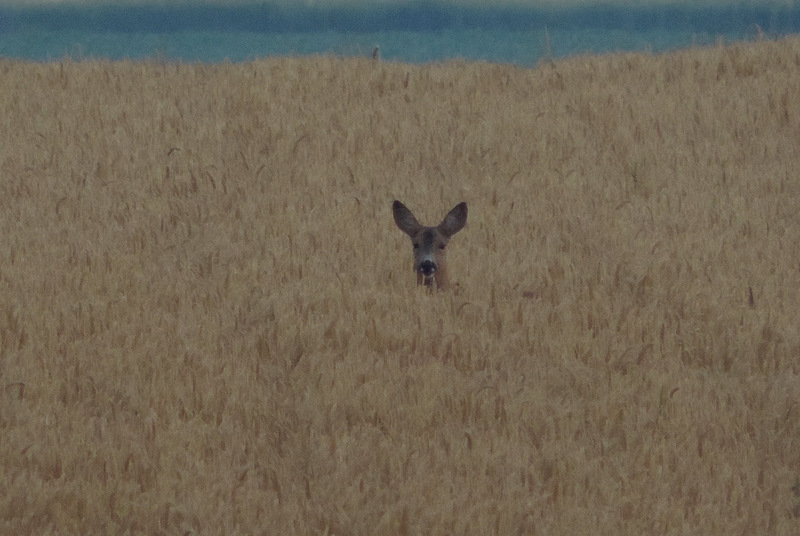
(209, 323)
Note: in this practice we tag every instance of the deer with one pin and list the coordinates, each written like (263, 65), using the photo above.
(430, 243)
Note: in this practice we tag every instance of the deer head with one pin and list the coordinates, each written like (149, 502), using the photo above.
(430, 243)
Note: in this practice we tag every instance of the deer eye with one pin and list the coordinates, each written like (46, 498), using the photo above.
(416, 245)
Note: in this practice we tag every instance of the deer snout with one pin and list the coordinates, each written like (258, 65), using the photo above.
(427, 268)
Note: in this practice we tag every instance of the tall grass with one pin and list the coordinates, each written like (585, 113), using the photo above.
(208, 321)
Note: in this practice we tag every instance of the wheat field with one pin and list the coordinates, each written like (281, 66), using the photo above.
(210, 325)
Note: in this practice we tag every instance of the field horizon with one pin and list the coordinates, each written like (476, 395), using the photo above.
(210, 323)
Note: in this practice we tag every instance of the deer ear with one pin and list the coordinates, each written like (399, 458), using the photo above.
(404, 219)
(454, 221)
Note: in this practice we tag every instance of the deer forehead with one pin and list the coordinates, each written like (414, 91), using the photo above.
(429, 237)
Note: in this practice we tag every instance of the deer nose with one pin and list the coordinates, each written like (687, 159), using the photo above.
(427, 268)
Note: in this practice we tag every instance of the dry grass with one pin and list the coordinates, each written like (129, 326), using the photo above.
(208, 322)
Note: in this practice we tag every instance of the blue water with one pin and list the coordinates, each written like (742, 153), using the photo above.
(416, 32)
